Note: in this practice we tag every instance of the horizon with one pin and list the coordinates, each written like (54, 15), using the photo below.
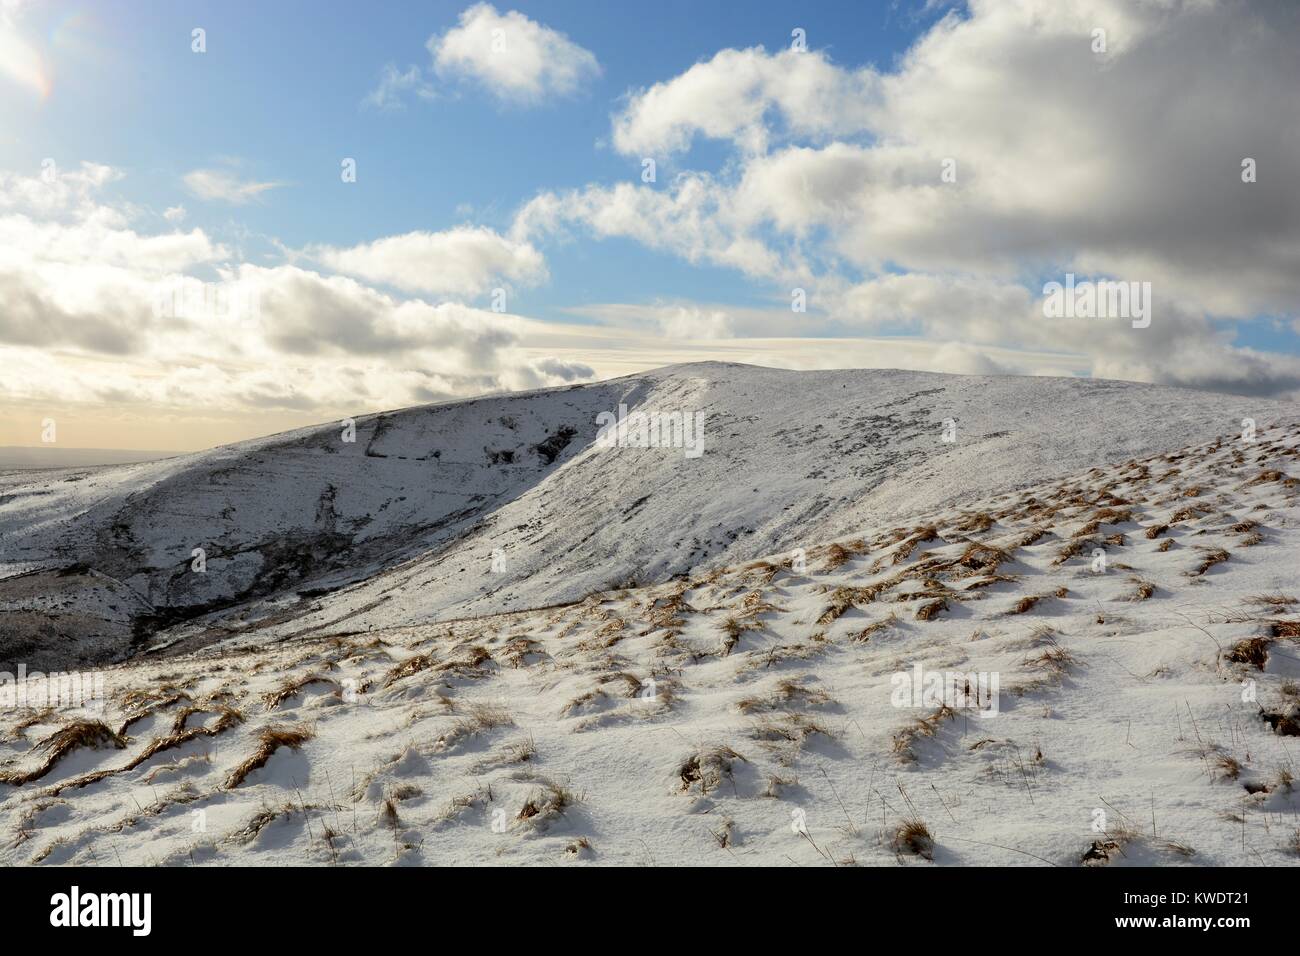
(160, 453)
(272, 227)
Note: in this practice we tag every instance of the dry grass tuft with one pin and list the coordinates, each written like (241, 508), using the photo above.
(1056, 660)
(1211, 557)
(271, 739)
(1227, 766)
(1284, 629)
(731, 629)
(550, 801)
(1102, 851)
(1266, 476)
(412, 665)
(913, 836)
(837, 555)
(931, 609)
(81, 733)
(974, 523)
(1253, 652)
(917, 537)
(875, 627)
(984, 558)
(1072, 548)
(294, 687)
(1142, 591)
(708, 767)
(1273, 600)
(921, 727)
(476, 718)
(1026, 604)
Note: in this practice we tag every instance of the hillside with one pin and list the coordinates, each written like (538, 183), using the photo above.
(1130, 632)
(305, 531)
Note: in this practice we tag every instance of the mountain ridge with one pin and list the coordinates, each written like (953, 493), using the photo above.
(506, 502)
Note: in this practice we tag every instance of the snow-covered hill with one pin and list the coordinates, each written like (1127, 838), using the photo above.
(1129, 636)
(509, 502)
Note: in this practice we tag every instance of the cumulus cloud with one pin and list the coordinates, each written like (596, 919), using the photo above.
(746, 96)
(1001, 151)
(464, 261)
(518, 60)
(81, 284)
(691, 219)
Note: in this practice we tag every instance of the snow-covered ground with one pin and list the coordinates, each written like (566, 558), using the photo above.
(509, 503)
(1111, 568)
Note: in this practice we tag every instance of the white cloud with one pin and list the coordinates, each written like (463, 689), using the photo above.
(517, 59)
(734, 95)
(690, 218)
(174, 214)
(395, 84)
(464, 261)
(82, 323)
(53, 191)
(224, 186)
(1065, 160)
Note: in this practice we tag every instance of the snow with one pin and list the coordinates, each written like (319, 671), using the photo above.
(744, 711)
(305, 531)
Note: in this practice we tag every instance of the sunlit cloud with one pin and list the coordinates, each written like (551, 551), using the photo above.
(222, 185)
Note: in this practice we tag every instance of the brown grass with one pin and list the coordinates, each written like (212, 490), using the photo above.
(412, 665)
(74, 736)
(546, 803)
(784, 694)
(921, 727)
(708, 767)
(294, 687)
(918, 537)
(975, 523)
(838, 555)
(1026, 604)
(1253, 652)
(1210, 557)
(983, 558)
(1266, 476)
(931, 609)
(1055, 659)
(1227, 766)
(913, 836)
(1142, 591)
(479, 718)
(732, 630)
(844, 598)
(271, 739)
(875, 627)
(1072, 548)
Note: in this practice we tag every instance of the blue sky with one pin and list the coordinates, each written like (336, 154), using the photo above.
(779, 170)
(282, 89)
